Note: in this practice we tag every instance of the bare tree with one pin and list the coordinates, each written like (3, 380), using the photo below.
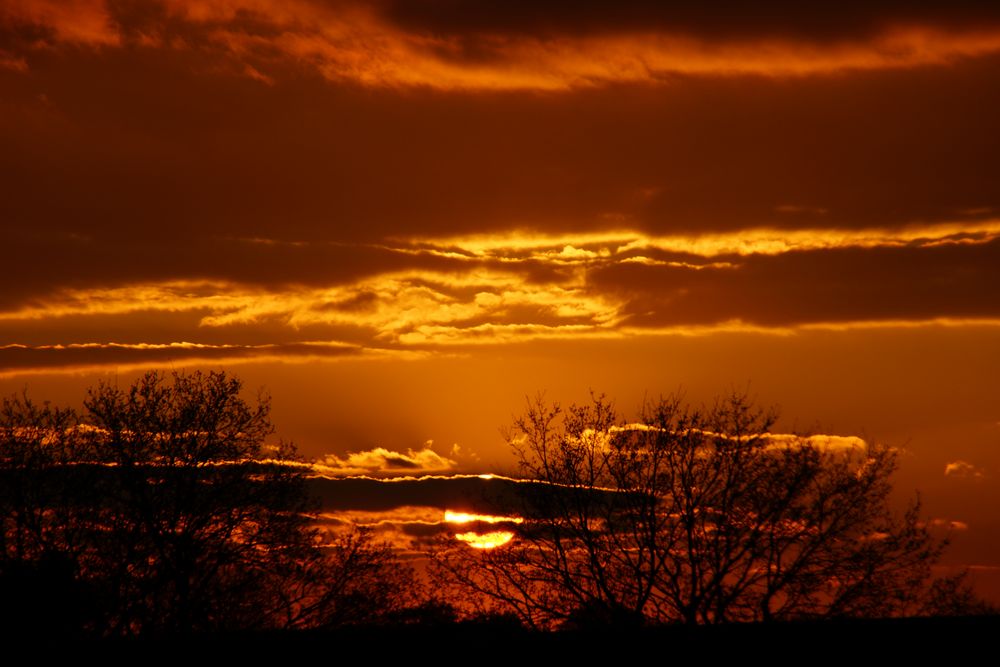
(42, 537)
(697, 516)
(201, 524)
(176, 514)
(34, 441)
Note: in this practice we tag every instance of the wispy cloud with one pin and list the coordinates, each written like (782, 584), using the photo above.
(962, 468)
(599, 246)
(949, 524)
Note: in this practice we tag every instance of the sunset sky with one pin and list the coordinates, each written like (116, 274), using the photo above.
(403, 217)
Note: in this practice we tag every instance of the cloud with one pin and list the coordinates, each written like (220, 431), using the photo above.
(12, 62)
(822, 442)
(516, 47)
(382, 461)
(381, 494)
(340, 208)
(514, 288)
(488, 495)
(409, 529)
(48, 23)
(949, 524)
(817, 287)
(307, 160)
(961, 468)
(404, 514)
(76, 357)
(707, 245)
(726, 20)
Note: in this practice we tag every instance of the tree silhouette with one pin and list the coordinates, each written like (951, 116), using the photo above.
(42, 538)
(697, 516)
(175, 515)
(203, 525)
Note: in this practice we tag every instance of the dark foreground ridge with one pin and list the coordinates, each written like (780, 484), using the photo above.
(471, 642)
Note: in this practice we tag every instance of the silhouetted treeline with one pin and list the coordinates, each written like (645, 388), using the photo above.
(164, 509)
(701, 515)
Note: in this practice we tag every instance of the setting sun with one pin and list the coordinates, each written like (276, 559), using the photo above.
(489, 540)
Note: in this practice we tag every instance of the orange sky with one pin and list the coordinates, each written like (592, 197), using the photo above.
(401, 217)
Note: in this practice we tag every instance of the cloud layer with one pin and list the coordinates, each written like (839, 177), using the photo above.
(381, 461)
(186, 182)
(461, 292)
(508, 46)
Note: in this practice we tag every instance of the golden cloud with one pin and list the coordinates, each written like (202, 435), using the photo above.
(409, 308)
(591, 247)
(497, 294)
(379, 461)
(822, 442)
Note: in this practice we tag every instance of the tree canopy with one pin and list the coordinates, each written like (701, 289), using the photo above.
(167, 507)
(698, 515)
(164, 508)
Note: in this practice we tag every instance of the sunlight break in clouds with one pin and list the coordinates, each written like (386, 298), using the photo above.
(482, 540)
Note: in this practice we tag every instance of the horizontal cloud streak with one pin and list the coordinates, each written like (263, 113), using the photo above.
(382, 461)
(85, 357)
(585, 247)
(524, 287)
(387, 186)
(374, 45)
(723, 20)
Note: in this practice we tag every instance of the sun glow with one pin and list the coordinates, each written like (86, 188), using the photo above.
(489, 540)
(464, 517)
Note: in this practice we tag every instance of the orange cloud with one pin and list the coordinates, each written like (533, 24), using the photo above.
(962, 469)
(71, 21)
(355, 42)
(8, 61)
(75, 358)
(524, 286)
(948, 524)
